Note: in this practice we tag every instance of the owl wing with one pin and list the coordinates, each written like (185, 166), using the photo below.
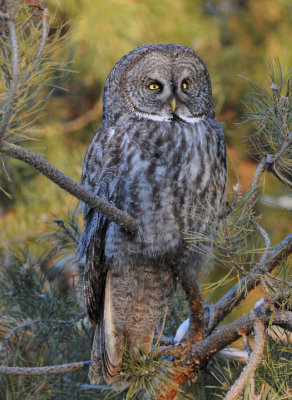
(98, 177)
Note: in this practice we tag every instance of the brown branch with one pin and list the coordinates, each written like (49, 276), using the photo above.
(191, 359)
(72, 187)
(227, 334)
(54, 369)
(253, 362)
(236, 294)
(193, 295)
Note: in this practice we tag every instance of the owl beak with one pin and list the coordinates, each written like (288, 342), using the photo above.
(173, 104)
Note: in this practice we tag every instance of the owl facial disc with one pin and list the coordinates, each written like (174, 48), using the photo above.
(164, 86)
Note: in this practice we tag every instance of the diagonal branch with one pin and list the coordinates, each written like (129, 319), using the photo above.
(227, 334)
(71, 186)
(236, 294)
(254, 360)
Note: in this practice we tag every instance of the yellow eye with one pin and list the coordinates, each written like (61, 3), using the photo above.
(184, 85)
(154, 86)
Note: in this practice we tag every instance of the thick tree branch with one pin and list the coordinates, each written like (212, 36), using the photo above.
(255, 358)
(196, 357)
(68, 184)
(239, 291)
(227, 334)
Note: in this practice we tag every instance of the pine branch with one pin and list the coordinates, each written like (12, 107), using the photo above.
(72, 187)
(253, 362)
(267, 241)
(271, 161)
(54, 369)
(45, 15)
(227, 334)
(235, 295)
(268, 164)
(14, 85)
(196, 357)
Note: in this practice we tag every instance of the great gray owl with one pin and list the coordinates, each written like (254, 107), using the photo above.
(159, 156)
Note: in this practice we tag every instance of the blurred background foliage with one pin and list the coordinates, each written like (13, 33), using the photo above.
(233, 37)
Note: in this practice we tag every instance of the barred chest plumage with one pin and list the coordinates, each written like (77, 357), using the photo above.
(167, 172)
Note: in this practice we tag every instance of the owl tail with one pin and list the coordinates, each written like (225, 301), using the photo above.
(107, 353)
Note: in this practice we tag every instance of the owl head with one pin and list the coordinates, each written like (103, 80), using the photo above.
(159, 82)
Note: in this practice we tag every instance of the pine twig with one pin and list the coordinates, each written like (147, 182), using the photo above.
(23, 324)
(269, 164)
(257, 175)
(162, 329)
(45, 16)
(13, 90)
(254, 360)
(235, 295)
(61, 225)
(267, 241)
(72, 187)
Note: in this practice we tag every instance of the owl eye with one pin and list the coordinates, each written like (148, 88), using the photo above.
(184, 85)
(154, 86)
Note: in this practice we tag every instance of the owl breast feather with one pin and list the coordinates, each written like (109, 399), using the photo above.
(167, 173)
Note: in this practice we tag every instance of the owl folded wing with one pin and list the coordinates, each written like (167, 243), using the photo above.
(97, 176)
